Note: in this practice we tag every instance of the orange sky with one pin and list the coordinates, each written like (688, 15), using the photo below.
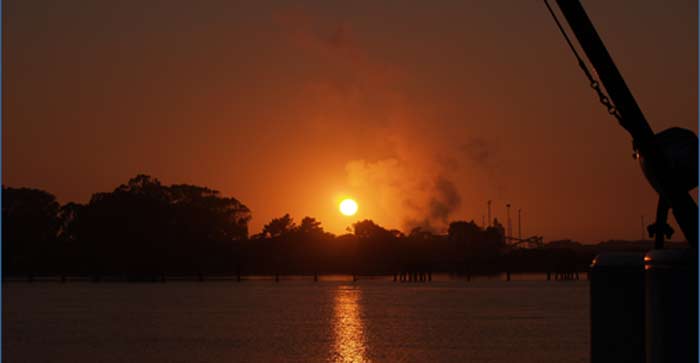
(421, 112)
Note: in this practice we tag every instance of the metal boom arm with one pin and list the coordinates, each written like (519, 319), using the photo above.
(685, 210)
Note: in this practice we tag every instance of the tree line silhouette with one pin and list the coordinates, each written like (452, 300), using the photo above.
(145, 228)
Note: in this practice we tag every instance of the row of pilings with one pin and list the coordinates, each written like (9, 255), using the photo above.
(564, 276)
(413, 276)
(402, 276)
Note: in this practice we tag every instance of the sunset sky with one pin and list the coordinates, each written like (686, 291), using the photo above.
(420, 111)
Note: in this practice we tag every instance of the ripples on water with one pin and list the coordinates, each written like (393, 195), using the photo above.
(296, 321)
(348, 330)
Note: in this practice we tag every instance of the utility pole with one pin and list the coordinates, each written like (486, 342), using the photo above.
(490, 220)
(520, 234)
(510, 227)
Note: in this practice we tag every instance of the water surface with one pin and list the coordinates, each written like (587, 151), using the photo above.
(296, 321)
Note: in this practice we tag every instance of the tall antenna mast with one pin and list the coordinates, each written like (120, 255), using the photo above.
(520, 235)
(510, 227)
(489, 207)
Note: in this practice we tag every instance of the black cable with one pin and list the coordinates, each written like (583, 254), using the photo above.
(593, 82)
(571, 46)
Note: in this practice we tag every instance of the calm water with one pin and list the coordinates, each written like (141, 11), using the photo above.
(296, 321)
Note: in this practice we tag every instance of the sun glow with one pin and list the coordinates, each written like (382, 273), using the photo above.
(348, 207)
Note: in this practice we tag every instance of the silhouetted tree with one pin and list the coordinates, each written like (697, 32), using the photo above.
(144, 227)
(310, 226)
(29, 228)
(208, 214)
(279, 226)
(67, 219)
(377, 249)
(396, 233)
(368, 230)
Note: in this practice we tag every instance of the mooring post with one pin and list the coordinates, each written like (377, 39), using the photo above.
(671, 305)
(617, 308)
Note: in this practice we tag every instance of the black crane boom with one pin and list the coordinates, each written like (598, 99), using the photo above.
(685, 210)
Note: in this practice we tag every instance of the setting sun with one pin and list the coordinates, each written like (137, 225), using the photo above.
(348, 207)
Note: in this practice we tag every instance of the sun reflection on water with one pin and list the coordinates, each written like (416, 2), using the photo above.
(349, 343)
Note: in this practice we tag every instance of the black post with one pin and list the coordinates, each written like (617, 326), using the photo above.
(671, 305)
(617, 308)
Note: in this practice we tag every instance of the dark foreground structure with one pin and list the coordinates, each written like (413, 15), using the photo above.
(643, 306)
